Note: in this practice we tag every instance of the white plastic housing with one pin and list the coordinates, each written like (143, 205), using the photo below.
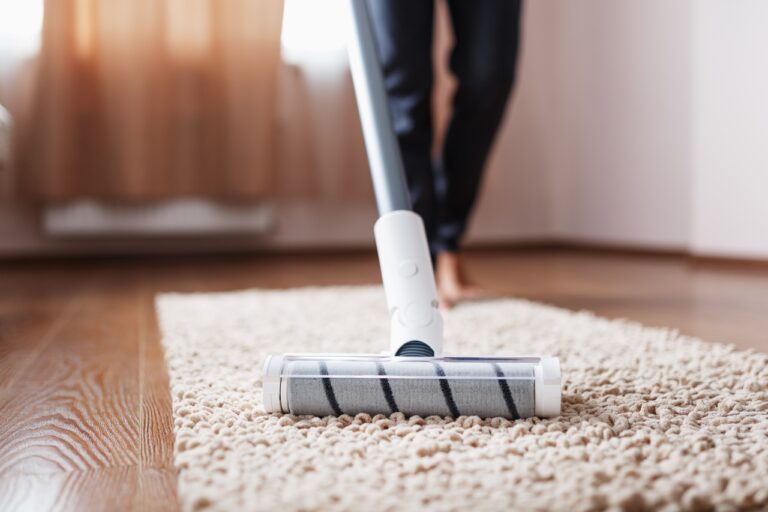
(409, 282)
(548, 394)
(273, 367)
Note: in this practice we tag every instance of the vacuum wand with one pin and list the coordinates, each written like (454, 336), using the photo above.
(384, 158)
(414, 377)
(401, 240)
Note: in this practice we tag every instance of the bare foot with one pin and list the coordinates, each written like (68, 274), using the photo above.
(452, 283)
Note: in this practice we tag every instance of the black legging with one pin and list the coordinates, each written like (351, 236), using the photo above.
(483, 59)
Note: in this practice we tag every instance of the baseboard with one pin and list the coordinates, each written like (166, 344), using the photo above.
(178, 217)
(628, 250)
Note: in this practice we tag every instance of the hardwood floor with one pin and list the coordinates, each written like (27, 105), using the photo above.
(85, 411)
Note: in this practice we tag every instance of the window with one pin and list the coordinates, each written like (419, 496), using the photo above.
(312, 29)
(21, 24)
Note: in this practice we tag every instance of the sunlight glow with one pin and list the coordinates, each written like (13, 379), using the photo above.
(313, 28)
(21, 25)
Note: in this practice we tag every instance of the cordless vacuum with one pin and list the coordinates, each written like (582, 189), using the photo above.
(414, 377)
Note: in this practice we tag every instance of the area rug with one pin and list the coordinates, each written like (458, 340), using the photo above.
(651, 420)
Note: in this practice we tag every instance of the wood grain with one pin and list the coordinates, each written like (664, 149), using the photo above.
(75, 406)
(85, 409)
(100, 490)
(32, 311)
(155, 393)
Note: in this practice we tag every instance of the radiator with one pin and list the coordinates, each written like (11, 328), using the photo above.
(5, 139)
(184, 217)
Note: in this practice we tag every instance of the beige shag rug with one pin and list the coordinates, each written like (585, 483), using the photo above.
(651, 420)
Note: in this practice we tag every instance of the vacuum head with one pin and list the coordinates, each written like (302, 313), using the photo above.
(416, 380)
(336, 384)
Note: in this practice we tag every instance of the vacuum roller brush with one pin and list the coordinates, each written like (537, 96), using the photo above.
(332, 385)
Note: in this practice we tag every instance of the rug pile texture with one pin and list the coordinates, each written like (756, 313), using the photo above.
(651, 420)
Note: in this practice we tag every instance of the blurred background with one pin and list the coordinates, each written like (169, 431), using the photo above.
(140, 126)
(152, 146)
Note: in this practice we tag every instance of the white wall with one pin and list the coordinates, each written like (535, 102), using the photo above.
(602, 115)
(730, 126)
(647, 121)
(625, 85)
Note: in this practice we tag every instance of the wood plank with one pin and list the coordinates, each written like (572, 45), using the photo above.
(157, 478)
(156, 406)
(33, 309)
(25, 330)
(70, 491)
(724, 303)
(72, 415)
(75, 415)
(157, 491)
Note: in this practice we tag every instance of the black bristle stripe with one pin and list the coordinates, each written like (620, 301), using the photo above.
(504, 385)
(329, 394)
(446, 389)
(387, 389)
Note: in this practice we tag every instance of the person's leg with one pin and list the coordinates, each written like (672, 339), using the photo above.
(484, 61)
(403, 31)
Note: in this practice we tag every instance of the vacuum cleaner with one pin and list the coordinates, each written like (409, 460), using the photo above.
(413, 377)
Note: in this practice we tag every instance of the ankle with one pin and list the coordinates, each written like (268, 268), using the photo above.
(448, 267)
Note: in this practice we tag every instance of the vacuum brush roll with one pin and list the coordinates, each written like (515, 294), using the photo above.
(332, 385)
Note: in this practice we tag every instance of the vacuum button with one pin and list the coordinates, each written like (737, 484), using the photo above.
(408, 268)
(417, 314)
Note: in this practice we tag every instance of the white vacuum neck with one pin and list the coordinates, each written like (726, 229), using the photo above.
(406, 267)
(409, 281)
